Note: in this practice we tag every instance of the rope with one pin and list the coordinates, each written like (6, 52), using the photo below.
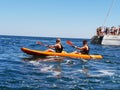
(108, 12)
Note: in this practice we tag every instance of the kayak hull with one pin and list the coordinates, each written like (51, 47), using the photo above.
(63, 54)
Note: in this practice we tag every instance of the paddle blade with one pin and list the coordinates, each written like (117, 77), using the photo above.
(38, 43)
(70, 43)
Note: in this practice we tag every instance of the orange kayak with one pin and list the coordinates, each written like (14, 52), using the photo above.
(63, 54)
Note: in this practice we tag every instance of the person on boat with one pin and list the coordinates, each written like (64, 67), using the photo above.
(84, 49)
(57, 47)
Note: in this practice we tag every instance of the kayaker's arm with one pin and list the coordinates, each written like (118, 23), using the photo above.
(53, 46)
(79, 48)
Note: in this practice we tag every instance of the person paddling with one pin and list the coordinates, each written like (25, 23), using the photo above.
(84, 49)
(57, 47)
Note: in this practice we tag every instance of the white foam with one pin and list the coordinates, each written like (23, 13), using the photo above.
(107, 72)
(103, 73)
(34, 63)
(56, 73)
(47, 68)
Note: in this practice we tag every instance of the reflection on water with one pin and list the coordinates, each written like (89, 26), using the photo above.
(42, 62)
(44, 58)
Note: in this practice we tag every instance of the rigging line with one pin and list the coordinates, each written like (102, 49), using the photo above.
(108, 12)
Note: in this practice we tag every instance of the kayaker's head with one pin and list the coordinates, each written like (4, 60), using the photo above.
(84, 42)
(58, 40)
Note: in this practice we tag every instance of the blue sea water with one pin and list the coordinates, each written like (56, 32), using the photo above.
(19, 71)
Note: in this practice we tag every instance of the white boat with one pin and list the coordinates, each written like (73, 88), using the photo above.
(106, 40)
(111, 40)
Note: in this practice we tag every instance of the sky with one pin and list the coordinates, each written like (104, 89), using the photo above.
(57, 18)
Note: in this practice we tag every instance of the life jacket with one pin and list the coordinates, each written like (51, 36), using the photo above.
(85, 51)
(59, 50)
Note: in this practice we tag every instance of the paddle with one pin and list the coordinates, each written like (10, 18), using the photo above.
(70, 43)
(40, 43)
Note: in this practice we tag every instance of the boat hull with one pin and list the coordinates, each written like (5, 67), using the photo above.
(63, 54)
(106, 40)
(111, 40)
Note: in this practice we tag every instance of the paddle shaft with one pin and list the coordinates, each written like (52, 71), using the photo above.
(40, 43)
(71, 44)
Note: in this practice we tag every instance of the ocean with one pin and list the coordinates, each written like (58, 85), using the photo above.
(19, 71)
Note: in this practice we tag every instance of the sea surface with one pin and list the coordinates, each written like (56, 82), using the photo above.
(19, 71)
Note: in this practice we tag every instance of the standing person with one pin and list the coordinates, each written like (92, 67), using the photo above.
(84, 49)
(57, 47)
